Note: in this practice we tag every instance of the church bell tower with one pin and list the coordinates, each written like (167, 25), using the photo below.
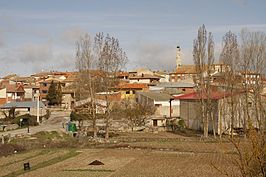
(178, 57)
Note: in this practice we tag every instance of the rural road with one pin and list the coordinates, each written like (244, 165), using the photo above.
(54, 123)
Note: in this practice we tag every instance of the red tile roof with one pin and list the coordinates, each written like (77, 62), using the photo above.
(12, 88)
(215, 95)
(145, 76)
(132, 86)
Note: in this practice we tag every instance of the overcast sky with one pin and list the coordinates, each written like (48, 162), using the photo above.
(38, 35)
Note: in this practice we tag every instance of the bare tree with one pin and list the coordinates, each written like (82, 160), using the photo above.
(253, 64)
(136, 113)
(203, 54)
(252, 155)
(230, 58)
(249, 59)
(86, 84)
(111, 59)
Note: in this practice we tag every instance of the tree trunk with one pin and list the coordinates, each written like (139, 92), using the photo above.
(232, 118)
(213, 125)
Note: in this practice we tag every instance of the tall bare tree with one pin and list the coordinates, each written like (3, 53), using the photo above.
(253, 64)
(230, 58)
(203, 54)
(86, 84)
(111, 59)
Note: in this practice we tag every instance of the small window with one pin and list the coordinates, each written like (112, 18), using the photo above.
(127, 92)
(44, 84)
(155, 124)
(133, 91)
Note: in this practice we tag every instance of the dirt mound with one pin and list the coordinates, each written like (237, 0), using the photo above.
(96, 162)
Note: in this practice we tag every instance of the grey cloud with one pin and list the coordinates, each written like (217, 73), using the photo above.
(35, 53)
(72, 35)
(36, 57)
(155, 56)
(65, 61)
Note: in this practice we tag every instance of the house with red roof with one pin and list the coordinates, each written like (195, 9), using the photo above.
(190, 105)
(10, 92)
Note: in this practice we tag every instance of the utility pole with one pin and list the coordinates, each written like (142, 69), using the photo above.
(37, 95)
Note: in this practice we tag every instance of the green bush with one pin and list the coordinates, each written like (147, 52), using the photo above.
(26, 118)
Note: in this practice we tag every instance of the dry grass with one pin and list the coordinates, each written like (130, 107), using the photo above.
(133, 154)
(34, 158)
(122, 162)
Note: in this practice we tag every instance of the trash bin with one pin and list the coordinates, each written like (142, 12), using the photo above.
(72, 127)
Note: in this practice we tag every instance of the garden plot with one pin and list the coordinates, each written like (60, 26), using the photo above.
(134, 163)
(6, 160)
(113, 160)
(170, 164)
(17, 166)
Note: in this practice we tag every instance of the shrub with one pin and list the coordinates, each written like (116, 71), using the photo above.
(181, 124)
(26, 118)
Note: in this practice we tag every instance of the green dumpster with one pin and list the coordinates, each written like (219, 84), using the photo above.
(72, 127)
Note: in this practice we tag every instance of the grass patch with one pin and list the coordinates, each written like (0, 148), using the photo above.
(53, 161)
(90, 170)
(50, 135)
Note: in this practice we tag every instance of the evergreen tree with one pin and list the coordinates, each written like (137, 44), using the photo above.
(52, 94)
(59, 94)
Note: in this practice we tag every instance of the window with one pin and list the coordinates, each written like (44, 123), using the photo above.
(133, 91)
(44, 91)
(127, 92)
(155, 124)
(44, 84)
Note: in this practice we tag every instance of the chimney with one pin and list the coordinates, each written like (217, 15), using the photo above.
(178, 57)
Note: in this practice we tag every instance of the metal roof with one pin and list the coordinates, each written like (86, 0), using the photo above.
(175, 85)
(22, 104)
(214, 95)
(156, 96)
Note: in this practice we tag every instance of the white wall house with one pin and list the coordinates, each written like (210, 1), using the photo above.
(166, 107)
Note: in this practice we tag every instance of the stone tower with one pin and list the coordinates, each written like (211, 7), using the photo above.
(178, 57)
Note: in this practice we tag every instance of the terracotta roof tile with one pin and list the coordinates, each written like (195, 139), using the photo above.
(132, 86)
(196, 95)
